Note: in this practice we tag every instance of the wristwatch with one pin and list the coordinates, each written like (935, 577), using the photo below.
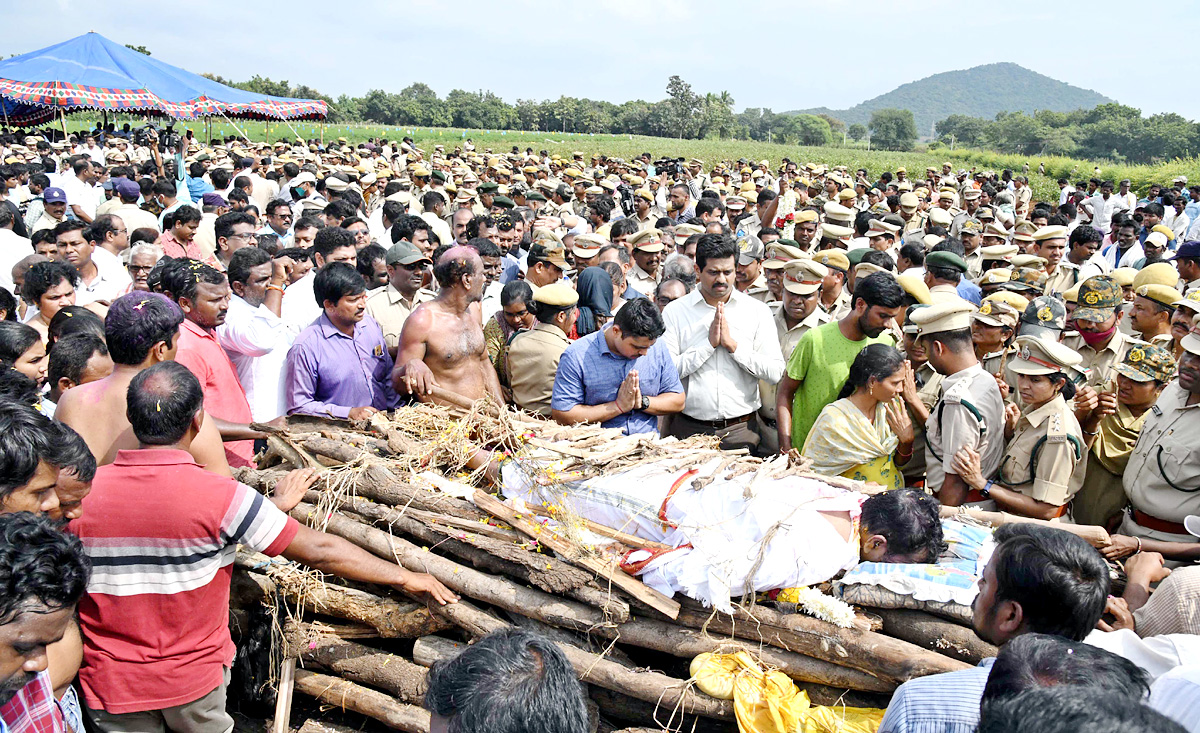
(986, 491)
(645, 403)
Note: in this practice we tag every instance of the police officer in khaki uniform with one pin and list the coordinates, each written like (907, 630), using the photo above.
(835, 297)
(1045, 460)
(1050, 243)
(925, 391)
(1101, 344)
(1162, 478)
(647, 252)
(798, 313)
(993, 330)
(532, 359)
(970, 412)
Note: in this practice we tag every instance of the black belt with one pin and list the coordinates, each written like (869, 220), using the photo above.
(722, 424)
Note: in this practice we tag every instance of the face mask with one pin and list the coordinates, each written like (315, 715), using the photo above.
(1092, 338)
(297, 193)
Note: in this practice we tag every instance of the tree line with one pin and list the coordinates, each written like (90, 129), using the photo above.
(1109, 131)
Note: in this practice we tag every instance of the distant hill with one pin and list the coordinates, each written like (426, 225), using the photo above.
(981, 91)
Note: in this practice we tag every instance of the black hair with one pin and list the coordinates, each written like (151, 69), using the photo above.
(516, 290)
(70, 354)
(1068, 385)
(101, 227)
(602, 207)
(330, 239)
(308, 222)
(622, 228)
(406, 226)
(708, 205)
(546, 313)
(223, 226)
(485, 247)
(430, 199)
(879, 259)
(15, 340)
(26, 437)
(365, 262)
(181, 278)
(448, 270)
(1154, 209)
(393, 210)
(878, 289)
(274, 204)
(244, 260)
(1030, 661)
(182, 215)
(955, 341)
(70, 225)
(138, 321)
(510, 681)
(8, 303)
(914, 253)
(639, 318)
(1072, 710)
(71, 452)
(162, 401)
(1084, 233)
(335, 281)
(621, 250)
(909, 520)
(714, 247)
(338, 209)
(875, 360)
(473, 226)
(40, 566)
(1060, 581)
(296, 254)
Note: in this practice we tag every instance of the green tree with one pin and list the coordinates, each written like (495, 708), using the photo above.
(857, 131)
(811, 130)
(893, 129)
(962, 129)
(684, 105)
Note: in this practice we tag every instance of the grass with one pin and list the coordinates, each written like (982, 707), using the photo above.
(628, 146)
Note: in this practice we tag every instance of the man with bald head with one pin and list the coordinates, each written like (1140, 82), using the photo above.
(442, 343)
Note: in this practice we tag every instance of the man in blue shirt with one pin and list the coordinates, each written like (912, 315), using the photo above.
(1039, 580)
(620, 377)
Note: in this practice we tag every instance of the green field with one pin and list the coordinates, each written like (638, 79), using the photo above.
(627, 146)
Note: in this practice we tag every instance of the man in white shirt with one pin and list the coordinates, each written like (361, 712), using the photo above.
(253, 335)
(722, 342)
(1103, 204)
(13, 249)
(134, 216)
(81, 190)
(1065, 189)
(103, 284)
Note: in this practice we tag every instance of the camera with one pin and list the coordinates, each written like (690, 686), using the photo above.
(167, 138)
(671, 166)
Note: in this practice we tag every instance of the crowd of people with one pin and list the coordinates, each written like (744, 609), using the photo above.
(943, 331)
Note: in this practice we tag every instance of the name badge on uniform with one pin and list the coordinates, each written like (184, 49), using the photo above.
(378, 350)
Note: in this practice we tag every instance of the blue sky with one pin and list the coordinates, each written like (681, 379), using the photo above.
(849, 50)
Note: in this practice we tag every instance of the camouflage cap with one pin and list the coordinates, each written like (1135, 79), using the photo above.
(997, 314)
(1098, 297)
(1044, 314)
(1146, 362)
(1027, 279)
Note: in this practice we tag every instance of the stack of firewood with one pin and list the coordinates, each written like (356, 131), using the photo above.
(411, 489)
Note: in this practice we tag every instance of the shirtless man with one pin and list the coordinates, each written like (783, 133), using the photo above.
(442, 344)
(142, 329)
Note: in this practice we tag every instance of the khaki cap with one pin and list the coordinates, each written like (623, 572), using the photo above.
(940, 217)
(1038, 356)
(995, 276)
(1162, 294)
(914, 286)
(559, 294)
(647, 240)
(833, 231)
(999, 252)
(803, 277)
(909, 201)
(949, 316)
(834, 258)
(1050, 232)
(1018, 302)
(1159, 273)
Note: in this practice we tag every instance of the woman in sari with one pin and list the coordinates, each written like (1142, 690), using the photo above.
(515, 314)
(595, 290)
(1112, 428)
(866, 433)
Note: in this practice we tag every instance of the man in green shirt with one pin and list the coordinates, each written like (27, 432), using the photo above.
(821, 361)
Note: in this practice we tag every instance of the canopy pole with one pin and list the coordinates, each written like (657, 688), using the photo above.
(293, 129)
(62, 116)
(267, 130)
(240, 130)
(4, 108)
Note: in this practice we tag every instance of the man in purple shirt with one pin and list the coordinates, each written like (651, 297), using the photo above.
(339, 366)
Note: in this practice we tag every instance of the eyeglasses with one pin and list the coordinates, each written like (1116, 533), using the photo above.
(243, 235)
(139, 269)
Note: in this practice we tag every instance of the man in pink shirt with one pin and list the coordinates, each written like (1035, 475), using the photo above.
(202, 293)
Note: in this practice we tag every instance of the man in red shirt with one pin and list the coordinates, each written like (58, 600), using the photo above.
(162, 533)
(202, 293)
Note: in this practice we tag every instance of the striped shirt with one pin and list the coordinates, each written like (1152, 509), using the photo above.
(939, 703)
(161, 533)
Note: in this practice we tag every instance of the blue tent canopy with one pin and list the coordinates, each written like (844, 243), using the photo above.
(92, 72)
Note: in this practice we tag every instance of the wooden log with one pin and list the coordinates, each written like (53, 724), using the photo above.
(683, 642)
(312, 725)
(390, 618)
(553, 575)
(283, 697)
(668, 693)
(463, 580)
(1095, 536)
(604, 567)
(430, 649)
(615, 706)
(930, 632)
(889, 659)
(378, 483)
(543, 570)
(362, 664)
(356, 698)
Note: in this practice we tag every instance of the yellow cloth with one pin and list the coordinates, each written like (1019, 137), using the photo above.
(767, 701)
(843, 442)
(1115, 438)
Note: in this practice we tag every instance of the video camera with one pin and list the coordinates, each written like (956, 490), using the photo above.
(167, 138)
(671, 166)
